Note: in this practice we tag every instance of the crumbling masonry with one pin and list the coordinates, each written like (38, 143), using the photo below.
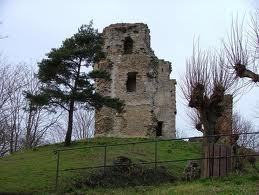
(140, 79)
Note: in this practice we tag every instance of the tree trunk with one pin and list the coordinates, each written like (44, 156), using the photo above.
(28, 131)
(70, 123)
(211, 119)
(11, 141)
(211, 134)
(71, 109)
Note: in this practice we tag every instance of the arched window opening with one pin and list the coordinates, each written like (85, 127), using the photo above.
(128, 45)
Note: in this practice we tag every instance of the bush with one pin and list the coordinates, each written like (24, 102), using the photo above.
(124, 173)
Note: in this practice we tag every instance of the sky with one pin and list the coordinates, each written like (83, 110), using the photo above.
(33, 27)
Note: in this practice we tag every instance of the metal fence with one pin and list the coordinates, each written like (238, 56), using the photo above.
(147, 152)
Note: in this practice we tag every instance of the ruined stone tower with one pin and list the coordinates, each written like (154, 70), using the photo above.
(140, 79)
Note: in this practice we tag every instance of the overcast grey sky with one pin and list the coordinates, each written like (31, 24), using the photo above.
(34, 27)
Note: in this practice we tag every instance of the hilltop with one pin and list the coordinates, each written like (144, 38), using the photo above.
(34, 171)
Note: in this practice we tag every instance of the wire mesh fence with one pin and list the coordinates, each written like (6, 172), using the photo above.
(171, 154)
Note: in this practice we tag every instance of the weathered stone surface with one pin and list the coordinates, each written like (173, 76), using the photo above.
(150, 100)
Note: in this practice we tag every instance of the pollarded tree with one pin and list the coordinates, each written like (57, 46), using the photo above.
(204, 87)
(242, 49)
(66, 79)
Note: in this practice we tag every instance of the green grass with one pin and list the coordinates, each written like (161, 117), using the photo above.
(33, 171)
(232, 185)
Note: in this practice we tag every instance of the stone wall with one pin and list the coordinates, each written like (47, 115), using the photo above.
(153, 100)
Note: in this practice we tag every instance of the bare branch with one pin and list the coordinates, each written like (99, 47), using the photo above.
(205, 86)
(242, 60)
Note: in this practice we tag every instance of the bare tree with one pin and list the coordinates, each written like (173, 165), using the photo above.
(4, 139)
(204, 87)
(242, 50)
(244, 127)
(21, 125)
(37, 122)
(11, 99)
(6, 90)
(7, 87)
(57, 136)
(83, 124)
(15, 119)
(37, 119)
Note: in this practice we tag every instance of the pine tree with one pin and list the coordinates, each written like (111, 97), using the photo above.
(66, 79)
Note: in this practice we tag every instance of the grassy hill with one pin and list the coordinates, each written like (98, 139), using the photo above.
(34, 171)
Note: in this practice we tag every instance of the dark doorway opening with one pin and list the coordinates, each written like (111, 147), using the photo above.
(128, 45)
(159, 128)
(131, 82)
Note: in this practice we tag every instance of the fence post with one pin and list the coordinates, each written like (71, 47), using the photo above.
(155, 155)
(104, 163)
(57, 171)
